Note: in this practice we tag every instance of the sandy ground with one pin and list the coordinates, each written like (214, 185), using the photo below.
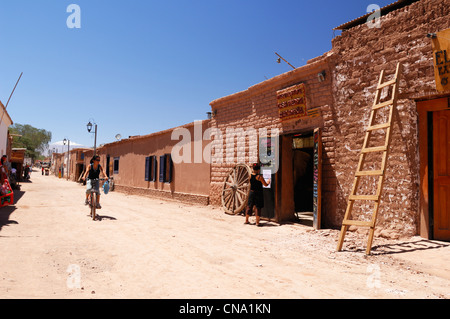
(150, 248)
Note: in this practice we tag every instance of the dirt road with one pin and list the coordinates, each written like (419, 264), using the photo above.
(150, 248)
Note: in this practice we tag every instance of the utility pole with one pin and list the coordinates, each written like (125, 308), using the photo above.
(1, 120)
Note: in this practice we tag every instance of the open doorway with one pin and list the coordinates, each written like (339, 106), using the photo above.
(79, 170)
(303, 173)
(434, 138)
(440, 175)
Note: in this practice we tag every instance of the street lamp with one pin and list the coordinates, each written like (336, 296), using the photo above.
(89, 128)
(68, 156)
(281, 58)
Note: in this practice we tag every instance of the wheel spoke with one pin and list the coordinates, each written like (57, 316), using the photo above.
(238, 174)
(228, 202)
(239, 199)
(228, 199)
(234, 202)
(228, 189)
(241, 192)
(227, 193)
(242, 183)
(242, 177)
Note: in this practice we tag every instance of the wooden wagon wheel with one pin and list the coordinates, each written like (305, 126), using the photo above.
(236, 189)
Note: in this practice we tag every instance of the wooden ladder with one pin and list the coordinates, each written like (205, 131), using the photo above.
(377, 105)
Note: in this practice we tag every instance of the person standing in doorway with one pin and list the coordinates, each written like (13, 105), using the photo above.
(256, 197)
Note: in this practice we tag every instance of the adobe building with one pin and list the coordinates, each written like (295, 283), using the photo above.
(73, 166)
(5, 123)
(407, 206)
(78, 161)
(321, 111)
(260, 109)
(164, 164)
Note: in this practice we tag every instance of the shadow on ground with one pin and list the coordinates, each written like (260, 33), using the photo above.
(6, 212)
(406, 247)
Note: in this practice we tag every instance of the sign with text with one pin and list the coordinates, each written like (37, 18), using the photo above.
(441, 56)
(291, 102)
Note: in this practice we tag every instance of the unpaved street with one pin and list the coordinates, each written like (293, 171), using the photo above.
(150, 248)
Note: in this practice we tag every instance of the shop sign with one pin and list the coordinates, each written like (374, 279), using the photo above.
(291, 102)
(441, 56)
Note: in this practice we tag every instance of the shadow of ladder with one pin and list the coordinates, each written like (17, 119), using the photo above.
(377, 105)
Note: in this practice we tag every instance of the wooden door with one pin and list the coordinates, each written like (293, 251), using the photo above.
(441, 174)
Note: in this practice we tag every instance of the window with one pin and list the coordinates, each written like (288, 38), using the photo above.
(150, 168)
(165, 168)
(116, 165)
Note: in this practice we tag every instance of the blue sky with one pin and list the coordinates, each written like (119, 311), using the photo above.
(142, 66)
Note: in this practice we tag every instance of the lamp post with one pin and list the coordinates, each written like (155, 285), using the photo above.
(281, 58)
(53, 167)
(68, 157)
(89, 128)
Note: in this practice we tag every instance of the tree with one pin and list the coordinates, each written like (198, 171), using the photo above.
(33, 139)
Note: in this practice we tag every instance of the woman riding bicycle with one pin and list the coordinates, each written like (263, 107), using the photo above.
(93, 173)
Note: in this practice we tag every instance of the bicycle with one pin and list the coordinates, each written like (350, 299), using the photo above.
(111, 183)
(93, 193)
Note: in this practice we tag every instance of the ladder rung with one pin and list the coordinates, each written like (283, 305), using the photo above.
(378, 126)
(357, 223)
(392, 103)
(369, 173)
(391, 82)
(363, 197)
(382, 104)
(374, 149)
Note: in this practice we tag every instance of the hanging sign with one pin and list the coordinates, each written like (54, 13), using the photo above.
(291, 102)
(441, 56)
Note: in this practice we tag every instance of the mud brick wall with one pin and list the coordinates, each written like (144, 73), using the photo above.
(256, 108)
(166, 195)
(243, 110)
(359, 54)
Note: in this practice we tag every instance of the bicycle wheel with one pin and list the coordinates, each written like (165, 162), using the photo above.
(93, 204)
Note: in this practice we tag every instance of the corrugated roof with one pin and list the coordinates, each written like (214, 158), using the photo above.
(385, 10)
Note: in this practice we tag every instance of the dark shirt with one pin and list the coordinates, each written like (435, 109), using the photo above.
(94, 174)
(255, 185)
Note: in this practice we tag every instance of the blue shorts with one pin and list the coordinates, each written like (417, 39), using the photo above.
(92, 185)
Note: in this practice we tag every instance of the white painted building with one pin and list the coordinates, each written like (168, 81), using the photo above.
(5, 122)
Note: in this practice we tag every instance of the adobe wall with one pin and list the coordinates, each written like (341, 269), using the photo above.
(256, 108)
(359, 54)
(190, 180)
